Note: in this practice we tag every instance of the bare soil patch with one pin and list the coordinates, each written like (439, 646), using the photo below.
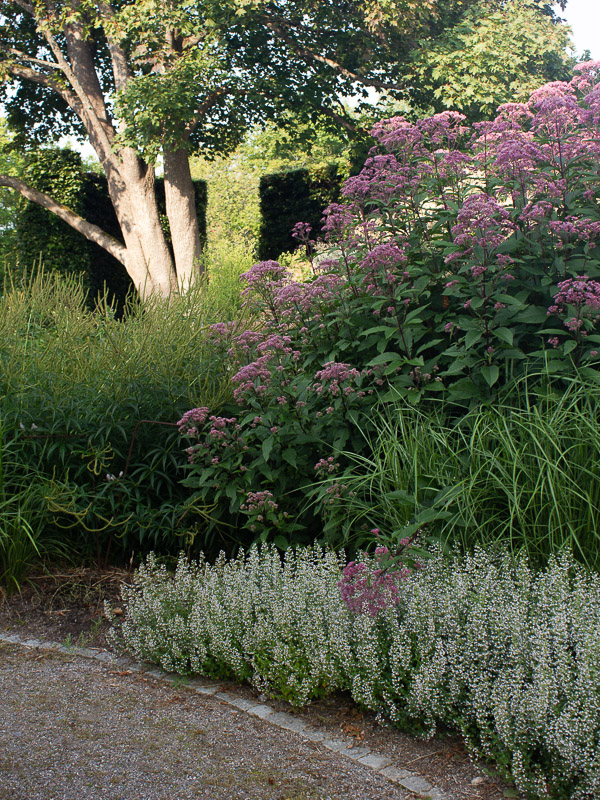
(66, 606)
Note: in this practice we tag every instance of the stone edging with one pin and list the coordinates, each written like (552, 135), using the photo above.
(405, 778)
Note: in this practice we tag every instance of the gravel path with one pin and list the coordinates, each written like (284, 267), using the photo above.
(72, 729)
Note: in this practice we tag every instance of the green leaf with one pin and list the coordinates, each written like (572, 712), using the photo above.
(267, 446)
(385, 358)
(532, 315)
(472, 337)
(281, 542)
(490, 374)
(401, 497)
(504, 334)
(289, 455)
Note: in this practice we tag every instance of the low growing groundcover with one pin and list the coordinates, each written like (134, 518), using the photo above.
(479, 643)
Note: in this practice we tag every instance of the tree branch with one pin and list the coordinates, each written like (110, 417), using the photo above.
(345, 122)
(89, 115)
(91, 232)
(309, 57)
(212, 99)
(45, 80)
(27, 7)
(121, 70)
(24, 57)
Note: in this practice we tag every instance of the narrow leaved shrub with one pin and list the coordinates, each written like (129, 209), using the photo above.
(480, 643)
(521, 473)
(89, 404)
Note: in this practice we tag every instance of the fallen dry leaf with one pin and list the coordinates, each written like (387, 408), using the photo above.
(353, 730)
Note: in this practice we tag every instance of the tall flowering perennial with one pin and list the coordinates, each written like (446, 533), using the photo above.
(263, 280)
(445, 272)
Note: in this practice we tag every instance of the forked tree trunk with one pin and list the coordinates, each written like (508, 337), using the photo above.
(72, 75)
(149, 260)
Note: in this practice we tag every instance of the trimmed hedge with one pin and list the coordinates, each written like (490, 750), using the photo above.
(300, 195)
(41, 234)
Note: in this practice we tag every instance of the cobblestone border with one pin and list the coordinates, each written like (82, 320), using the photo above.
(405, 778)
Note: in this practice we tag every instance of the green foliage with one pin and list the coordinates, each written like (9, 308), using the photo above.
(290, 197)
(470, 68)
(107, 278)
(26, 533)
(90, 403)
(11, 161)
(520, 474)
(57, 173)
(234, 203)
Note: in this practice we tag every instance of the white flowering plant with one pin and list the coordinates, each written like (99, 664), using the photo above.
(479, 643)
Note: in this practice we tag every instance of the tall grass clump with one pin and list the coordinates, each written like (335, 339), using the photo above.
(481, 644)
(521, 474)
(224, 262)
(26, 533)
(92, 403)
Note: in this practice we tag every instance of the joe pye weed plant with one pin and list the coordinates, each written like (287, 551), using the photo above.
(462, 260)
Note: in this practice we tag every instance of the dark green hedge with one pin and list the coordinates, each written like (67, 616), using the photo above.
(300, 195)
(41, 235)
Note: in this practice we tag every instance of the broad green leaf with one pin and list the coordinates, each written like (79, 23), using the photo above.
(490, 374)
(267, 446)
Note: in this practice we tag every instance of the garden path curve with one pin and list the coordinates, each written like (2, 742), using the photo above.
(101, 727)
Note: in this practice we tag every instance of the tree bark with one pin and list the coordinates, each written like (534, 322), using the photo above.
(145, 254)
(180, 200)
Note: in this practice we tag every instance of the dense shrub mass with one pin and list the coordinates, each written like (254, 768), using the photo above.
(461, 260)
(88, 405)
(507, 656)
(286, 197)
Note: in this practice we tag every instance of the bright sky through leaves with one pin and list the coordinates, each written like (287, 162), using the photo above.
(584, 18)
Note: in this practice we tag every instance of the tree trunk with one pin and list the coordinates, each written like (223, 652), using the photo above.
(180, 200)
(132, 192)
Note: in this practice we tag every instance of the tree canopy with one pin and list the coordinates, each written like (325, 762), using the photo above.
(143, 78)
(497, 53)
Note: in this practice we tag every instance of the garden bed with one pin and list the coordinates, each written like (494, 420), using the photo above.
(67, 605)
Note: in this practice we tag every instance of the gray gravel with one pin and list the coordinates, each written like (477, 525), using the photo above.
(72, 729)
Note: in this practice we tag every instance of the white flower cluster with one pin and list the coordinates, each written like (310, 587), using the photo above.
(483, 644)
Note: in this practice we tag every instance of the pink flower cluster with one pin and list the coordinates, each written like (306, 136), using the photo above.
(193, 420)
(580, 229)
(254, 378)
(257, 502)
(332, 376)
(580, 293)
(265, 273)
(223, 432)
(481, 222)
(367, 590)
(301, 231)
(326, 465)
(381, 267)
